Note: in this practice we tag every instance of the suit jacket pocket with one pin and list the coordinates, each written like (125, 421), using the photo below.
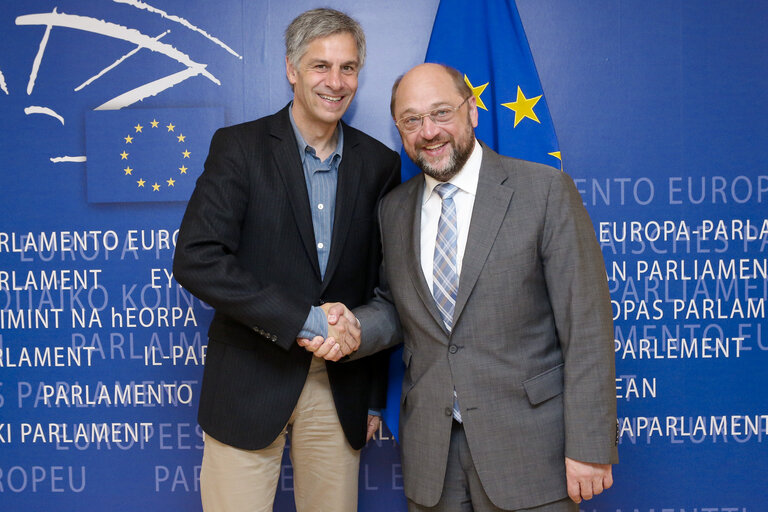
(545, 385)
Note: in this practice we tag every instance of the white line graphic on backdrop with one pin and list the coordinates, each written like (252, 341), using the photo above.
(105, 28)
(141, 5)
(56, 19)
(34, 109)
(116, 63)
(38, 57)
(3, 85)
(61, 159)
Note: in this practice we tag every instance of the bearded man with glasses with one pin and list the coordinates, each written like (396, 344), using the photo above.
(492, 268)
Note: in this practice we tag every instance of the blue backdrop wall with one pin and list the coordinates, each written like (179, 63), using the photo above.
(659, 108)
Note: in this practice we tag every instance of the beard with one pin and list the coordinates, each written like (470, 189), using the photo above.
(456, 160)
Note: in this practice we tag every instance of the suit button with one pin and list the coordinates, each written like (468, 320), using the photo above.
(448, 411)
(453, 349)
(273, 338)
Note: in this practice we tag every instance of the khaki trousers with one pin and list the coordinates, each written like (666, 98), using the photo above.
(325, 466)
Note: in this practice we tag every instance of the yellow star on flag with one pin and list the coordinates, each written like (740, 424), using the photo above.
(170, 182)
(477, 91)
(129, 140)
(123, 155)
(181, 137)
(155, 187)
(138, 128)
(128, 170)
(523, 107)
(183, 169)
(154, 123)
(557, 155)
(170, 127)
(141, 182)
(186, 153)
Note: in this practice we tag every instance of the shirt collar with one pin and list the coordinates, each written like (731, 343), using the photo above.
(465, 180)
(303, 147)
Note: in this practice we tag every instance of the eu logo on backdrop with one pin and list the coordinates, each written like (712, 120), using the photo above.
(147, 155)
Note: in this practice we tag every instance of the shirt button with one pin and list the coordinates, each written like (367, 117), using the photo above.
(320, 245)
(320, 206)
(453, 349)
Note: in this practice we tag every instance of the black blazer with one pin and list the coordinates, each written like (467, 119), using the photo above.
(246, 247)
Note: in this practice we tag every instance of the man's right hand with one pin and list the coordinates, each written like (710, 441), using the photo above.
(342, 326)
(326, 349)
(343, 334)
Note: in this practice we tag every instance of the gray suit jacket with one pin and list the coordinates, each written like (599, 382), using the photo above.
(531, 352)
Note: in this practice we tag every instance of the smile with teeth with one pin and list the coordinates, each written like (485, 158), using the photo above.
(331, 98)
(433, 147)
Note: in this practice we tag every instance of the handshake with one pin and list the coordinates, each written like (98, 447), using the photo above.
(343, 334)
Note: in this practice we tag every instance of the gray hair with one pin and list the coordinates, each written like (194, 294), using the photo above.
(324, 22)
(456, 77)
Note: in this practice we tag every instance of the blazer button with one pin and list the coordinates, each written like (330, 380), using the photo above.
(453, 349)
(448, 411)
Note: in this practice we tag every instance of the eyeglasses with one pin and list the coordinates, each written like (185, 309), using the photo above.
(441, 115)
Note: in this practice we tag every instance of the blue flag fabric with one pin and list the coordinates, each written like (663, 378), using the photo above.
(485, 40)
(147, 155)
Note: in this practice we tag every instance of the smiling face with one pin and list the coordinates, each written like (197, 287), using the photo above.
(324, 82)
(439, 150)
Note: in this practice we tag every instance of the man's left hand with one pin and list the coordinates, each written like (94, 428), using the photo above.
(373, 426)
(586, 479)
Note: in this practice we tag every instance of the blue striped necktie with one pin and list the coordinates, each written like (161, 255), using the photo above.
(445, 272)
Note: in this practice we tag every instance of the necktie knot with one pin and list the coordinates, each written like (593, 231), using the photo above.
(446, 190)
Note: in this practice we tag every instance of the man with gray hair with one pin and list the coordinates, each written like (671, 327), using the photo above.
(281, 222)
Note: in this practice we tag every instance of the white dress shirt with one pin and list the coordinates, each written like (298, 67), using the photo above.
(432, 204)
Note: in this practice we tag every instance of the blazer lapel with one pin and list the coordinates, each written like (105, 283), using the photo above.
(288, 163)
(491, 204)
(410, 231)
(346, 195)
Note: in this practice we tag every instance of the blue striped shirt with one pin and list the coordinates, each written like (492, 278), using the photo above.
(321, 178)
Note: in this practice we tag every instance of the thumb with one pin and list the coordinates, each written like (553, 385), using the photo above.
(335, 311)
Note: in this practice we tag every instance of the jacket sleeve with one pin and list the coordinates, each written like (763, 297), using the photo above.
(577, 286)
(379, 321)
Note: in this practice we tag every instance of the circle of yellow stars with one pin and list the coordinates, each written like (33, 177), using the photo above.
(154, 124)
(522, 107)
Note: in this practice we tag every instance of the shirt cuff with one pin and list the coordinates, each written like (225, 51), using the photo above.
(374, 412)
(316, 324)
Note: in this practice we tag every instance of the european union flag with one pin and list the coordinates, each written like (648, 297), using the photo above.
(147, 155)
(485, 40)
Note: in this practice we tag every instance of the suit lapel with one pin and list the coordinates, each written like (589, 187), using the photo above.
(346, 195)
(410, 231)
(288, 164)
(491, 205)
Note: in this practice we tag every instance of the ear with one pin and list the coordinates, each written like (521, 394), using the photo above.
(472, 105)
(290, 72)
